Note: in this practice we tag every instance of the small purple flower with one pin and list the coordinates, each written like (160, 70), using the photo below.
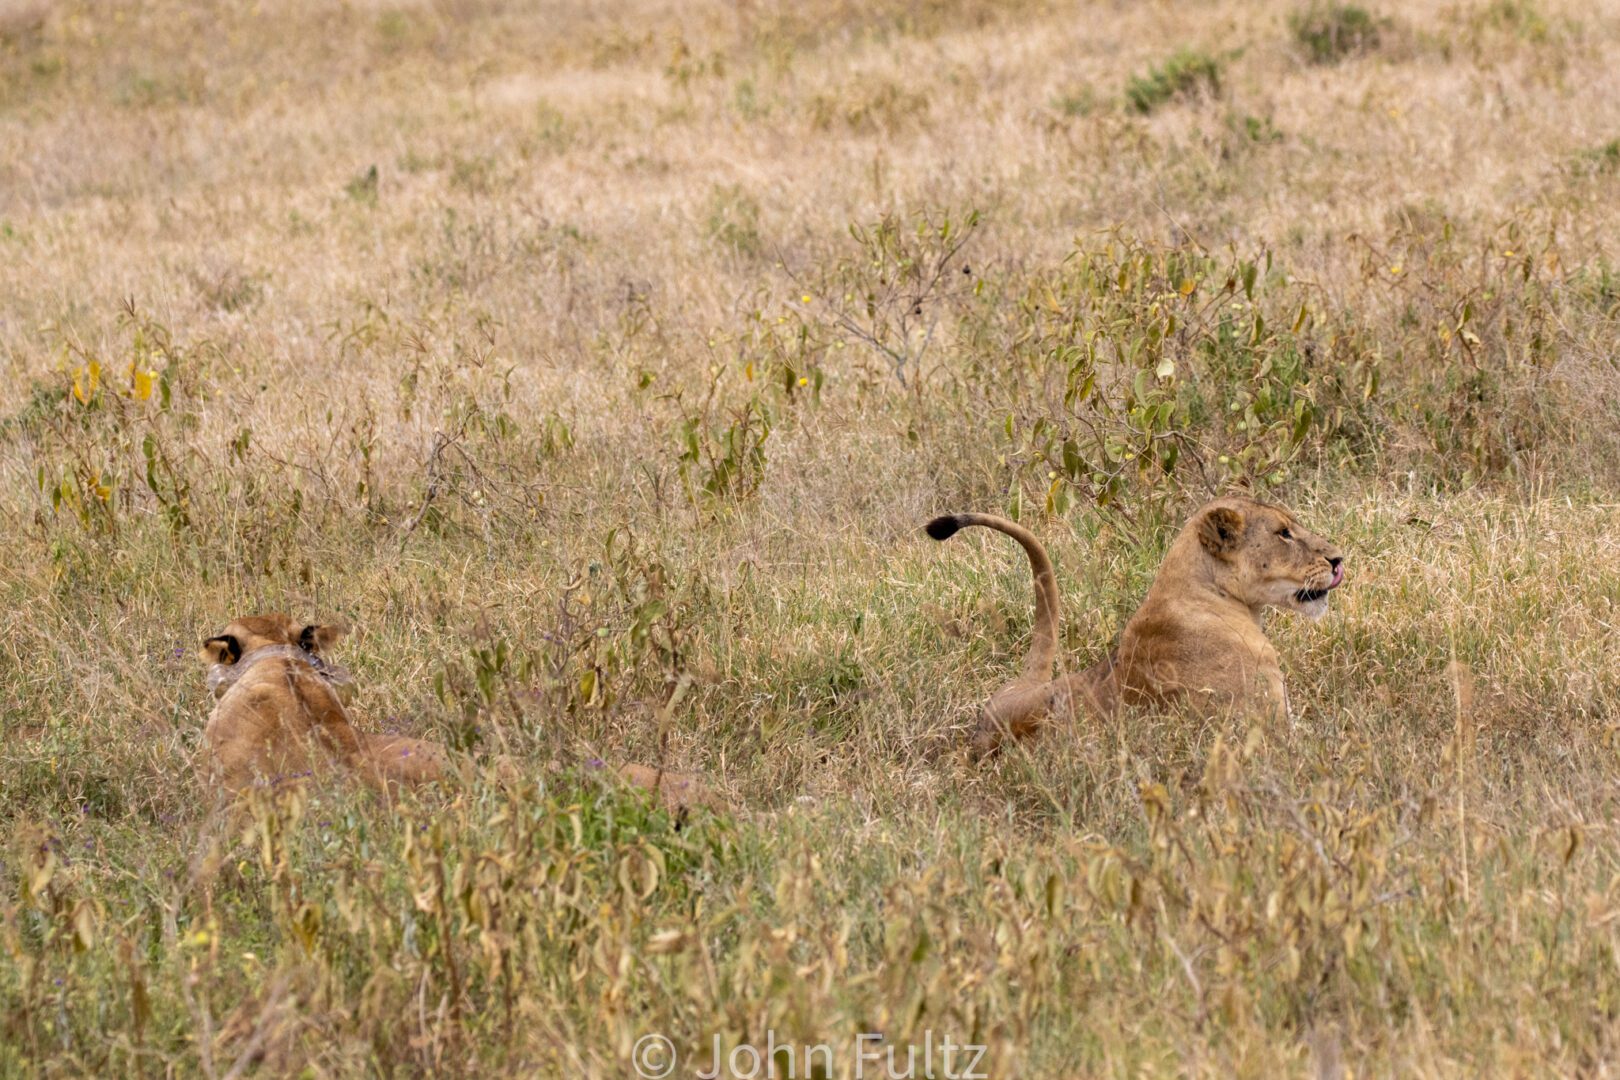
(595, 763)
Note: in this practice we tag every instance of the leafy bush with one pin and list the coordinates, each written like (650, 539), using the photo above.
(1155, 367)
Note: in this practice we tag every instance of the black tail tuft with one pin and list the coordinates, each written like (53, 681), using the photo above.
(943, 528)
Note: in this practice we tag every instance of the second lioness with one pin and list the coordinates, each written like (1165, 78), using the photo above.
(279, 711)
(1199, 633)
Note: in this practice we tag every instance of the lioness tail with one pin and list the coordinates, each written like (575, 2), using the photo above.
(1043, 646)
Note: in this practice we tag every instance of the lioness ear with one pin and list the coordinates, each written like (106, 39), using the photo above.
(1219, 531)
(319, 638)
(221, 650)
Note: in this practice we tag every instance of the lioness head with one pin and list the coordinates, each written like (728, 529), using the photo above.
(252, 632)
(258, 637)
(1262, 555)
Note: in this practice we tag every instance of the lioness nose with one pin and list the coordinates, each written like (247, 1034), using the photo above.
(1334, 561)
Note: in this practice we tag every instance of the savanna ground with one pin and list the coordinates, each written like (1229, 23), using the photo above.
(599, 363)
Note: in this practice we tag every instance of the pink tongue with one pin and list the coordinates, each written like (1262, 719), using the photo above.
(1338, 576)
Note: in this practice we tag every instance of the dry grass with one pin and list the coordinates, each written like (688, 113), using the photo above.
(599, 362)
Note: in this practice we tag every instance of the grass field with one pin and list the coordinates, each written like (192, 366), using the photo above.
(598, 363)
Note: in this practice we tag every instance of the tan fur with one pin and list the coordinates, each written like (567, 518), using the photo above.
(678, 791)
(1199, 634)
(280, 714)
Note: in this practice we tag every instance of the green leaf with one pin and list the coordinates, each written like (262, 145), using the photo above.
(1073, 465)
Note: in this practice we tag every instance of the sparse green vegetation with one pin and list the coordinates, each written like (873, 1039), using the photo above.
(1250, 129)
(734, 221)
(1186, 74)
(1599, 159)
(363, 188)
(1078, 102)
(1329, 32)
(1520, 17)
(600, 369)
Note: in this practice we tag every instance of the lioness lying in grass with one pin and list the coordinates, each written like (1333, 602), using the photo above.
(279, 711)
(1198, 635)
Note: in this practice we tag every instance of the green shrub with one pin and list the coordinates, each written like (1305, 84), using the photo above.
(1330, 32)
(1186, 74)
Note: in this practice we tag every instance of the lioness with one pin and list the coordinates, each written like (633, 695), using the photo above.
(1198, 635)
(677, 791)
(279, 710)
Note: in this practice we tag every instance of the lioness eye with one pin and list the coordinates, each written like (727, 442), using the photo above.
(1284, 533)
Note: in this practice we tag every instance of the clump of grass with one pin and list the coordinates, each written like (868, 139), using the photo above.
(22, 23)
(1081, 101)
(1256, 129)
(475, 174)
(1331, 32)
(1521, 18)
(1598, 160)
(870, 105)
(1187, 74)
(733, 221)
(228, 287)
(395, 29)
(363, 188)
